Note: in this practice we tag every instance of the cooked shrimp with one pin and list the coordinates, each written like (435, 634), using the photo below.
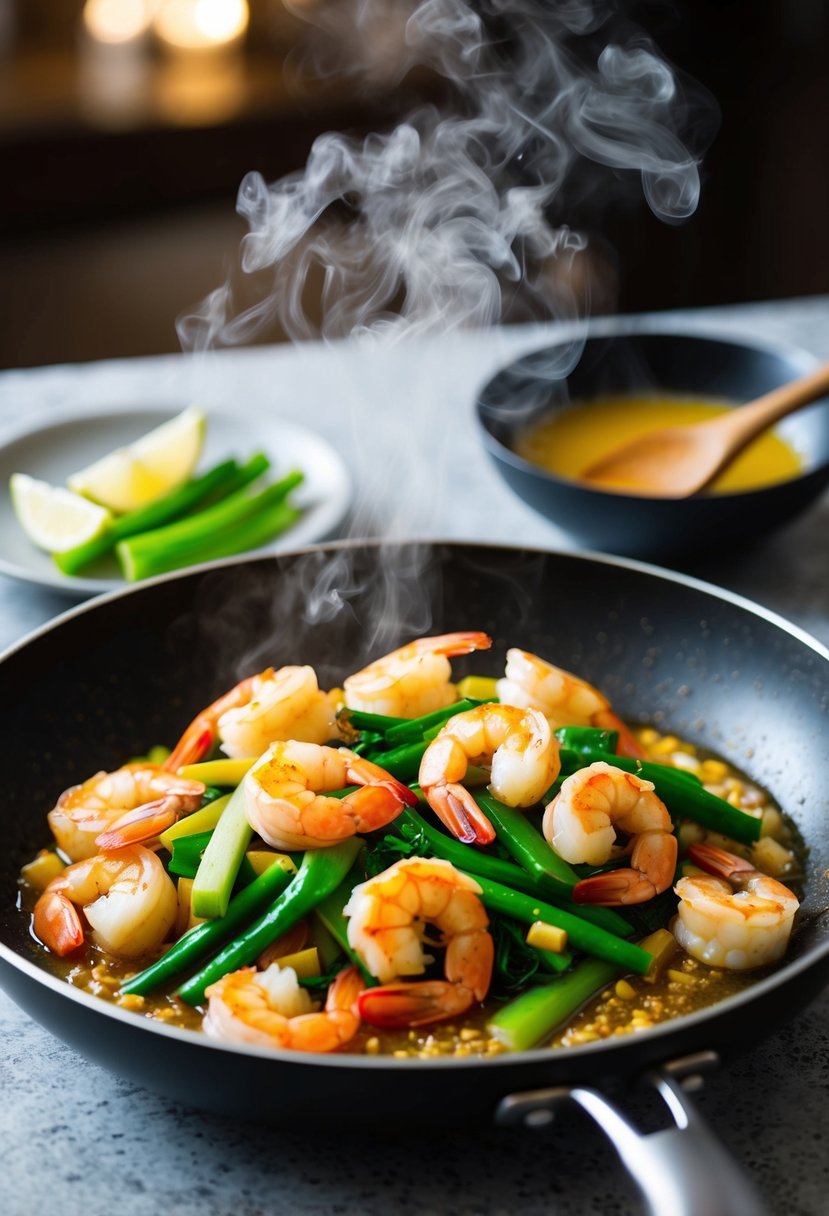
(735, 917)
(517, 746)
(414, 680)
(129, 806)
(581, 824)
(388, 915)
(286, 703)
(127, 898)
(285, 794)
(270, 1009)
(564, 699)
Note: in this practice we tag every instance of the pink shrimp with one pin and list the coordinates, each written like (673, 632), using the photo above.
(269, 1009)
(581, 821)
(387, 917)
(286, 800)
(128, 900)
(516, 744)
(413, 680)
(131, 805)
(282, 703)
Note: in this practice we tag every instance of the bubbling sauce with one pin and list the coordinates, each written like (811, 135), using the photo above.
(569, 441)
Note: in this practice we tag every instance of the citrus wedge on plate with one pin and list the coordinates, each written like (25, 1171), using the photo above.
(133, 476)
(53, 518)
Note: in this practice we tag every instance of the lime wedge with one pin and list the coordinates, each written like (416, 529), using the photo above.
(53, 518)
(134, 476)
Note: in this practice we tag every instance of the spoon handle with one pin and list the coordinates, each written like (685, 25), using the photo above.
(744, 422)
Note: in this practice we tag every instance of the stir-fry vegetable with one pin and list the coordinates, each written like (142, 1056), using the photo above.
(464, 870)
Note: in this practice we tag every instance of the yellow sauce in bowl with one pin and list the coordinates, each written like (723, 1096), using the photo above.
(570, 440)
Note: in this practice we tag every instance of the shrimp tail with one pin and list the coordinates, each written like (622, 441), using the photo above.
(143, 824)
(720, 862)
(363, 772)
(200, 736)
(396, 1006)
(462, 642)
(459, 812)
(57, 924)
(653, 864)
(624, 886)
(192, 747)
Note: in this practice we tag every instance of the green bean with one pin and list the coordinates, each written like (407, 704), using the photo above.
(202, 939)
(525, 844)
(241, 521)
(222, 479)
(581, 934)
(321, 871)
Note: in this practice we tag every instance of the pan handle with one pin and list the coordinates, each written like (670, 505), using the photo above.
(681, 1171)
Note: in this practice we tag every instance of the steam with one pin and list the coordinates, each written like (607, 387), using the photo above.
(446, 220)
(455, 219)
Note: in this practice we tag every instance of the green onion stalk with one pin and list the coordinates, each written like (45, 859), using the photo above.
(220, 481)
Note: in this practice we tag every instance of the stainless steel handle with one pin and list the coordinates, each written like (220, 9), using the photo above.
(681, 1171)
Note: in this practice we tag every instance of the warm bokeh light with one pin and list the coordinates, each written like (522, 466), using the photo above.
(201, 25)
(117, 21)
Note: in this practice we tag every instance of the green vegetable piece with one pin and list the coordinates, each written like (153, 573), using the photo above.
(587, 738)
(402, 762)
(321, 871)
(221, 860)
(414, 729)
(222, 479)
(525, 844)
(582, 935)
(202, 939)
(531, 1017)
(240, 522)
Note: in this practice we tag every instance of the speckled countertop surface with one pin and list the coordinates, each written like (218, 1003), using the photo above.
(78, 1140)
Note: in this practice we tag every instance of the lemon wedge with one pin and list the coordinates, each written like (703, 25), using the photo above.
(133, 476)
(53, 518)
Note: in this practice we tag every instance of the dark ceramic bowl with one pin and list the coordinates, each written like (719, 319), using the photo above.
(535, 385)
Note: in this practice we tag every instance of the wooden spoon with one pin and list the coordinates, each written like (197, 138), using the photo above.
(678, 461)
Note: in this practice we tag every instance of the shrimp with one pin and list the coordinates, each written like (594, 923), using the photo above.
(269, 1009)
(519, 746)
(388, 914)
(286, 703)
(129, 806)
(127, 898)
(565, 699)
(581, 822)
(413, 680)
(285, 806)
(735, 917)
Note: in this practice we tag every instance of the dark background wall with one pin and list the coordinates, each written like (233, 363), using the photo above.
(112, 222)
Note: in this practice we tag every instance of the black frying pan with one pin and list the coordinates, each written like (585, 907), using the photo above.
(112, 678)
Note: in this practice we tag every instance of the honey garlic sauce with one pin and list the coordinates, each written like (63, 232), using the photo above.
(572, 439)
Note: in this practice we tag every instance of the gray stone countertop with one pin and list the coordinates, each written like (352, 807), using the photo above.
(81, 1141)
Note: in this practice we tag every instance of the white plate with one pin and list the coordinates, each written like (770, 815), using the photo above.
(53, 448)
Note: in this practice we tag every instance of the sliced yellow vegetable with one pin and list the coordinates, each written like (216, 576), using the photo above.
(306, 963)
(218, 772)
(40, 872)
(478, 688)
(200, 821)
(185, 919)
(546, 937)
(262, 860)
(662, 945)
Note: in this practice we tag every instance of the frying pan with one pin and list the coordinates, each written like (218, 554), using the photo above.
(113, 677)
